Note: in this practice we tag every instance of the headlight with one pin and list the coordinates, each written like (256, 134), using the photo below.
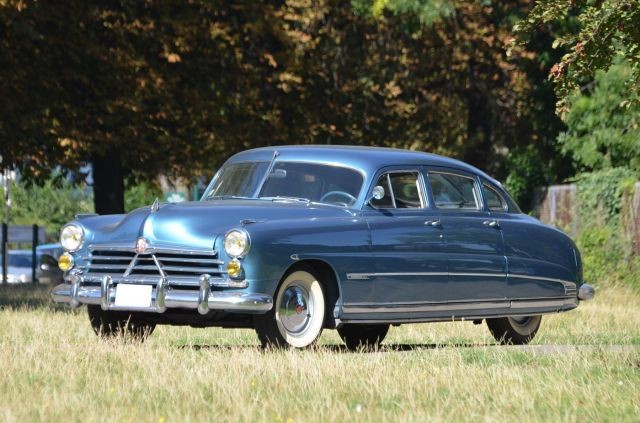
(236, 243)
(71, 237)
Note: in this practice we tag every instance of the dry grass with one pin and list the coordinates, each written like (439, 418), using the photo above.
(53, 368)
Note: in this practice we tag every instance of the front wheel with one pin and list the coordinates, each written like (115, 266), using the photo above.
(297, 316)
(514, 330)
(362, 336)
(111, 324)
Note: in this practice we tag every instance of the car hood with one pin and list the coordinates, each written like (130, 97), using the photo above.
(197, 224)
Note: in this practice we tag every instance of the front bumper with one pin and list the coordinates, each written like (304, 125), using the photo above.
(163, 297)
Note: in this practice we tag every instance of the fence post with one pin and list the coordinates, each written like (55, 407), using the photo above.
(34, 262)
(4, 253)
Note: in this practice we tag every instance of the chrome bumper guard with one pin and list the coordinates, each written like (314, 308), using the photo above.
(162, 297)
(586, 292)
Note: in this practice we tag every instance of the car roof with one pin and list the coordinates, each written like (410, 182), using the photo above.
(367, 159)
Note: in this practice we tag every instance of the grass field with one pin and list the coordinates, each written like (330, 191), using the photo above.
(54, 368)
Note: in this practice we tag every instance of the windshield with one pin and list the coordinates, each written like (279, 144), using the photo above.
(288, 180)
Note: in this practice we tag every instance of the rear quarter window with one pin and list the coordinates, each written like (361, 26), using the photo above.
(495, 200)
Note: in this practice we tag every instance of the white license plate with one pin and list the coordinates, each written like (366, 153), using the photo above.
(133, 295)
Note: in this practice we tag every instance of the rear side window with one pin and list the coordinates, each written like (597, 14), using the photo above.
(401, 191)
(495, 202)
(452, 191)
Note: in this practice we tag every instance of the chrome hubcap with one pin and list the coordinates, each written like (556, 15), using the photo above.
(295, 309)
(522, 320)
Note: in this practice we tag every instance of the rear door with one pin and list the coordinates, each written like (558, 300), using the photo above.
(410, 263)
(476, 263)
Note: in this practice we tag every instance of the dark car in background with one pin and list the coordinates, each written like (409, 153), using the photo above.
(20, 265)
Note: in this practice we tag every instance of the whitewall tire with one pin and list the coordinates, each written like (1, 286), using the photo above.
(297, 317)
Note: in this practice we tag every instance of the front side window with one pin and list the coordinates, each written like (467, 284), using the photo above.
(452, 191)
(494, 200)
(401, 191)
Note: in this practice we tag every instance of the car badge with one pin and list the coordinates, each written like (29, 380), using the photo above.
(141, 246)
(155, 206)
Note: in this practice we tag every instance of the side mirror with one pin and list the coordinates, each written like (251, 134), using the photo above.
(376, 194)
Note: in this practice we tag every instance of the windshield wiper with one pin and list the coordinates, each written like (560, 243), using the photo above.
(285, 198)
(229, 197)
(267, 173)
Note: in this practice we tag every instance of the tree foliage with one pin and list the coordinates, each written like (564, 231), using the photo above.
(143, 87)
(606, 29)
(49, 205)
(602, 132)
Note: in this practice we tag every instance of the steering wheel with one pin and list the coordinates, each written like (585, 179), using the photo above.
(351, 199)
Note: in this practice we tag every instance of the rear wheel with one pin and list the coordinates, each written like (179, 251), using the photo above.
(297, 316)
(362, 336)
(111, 324)
(514, 330)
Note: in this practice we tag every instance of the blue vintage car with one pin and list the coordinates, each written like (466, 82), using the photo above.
(292, 240)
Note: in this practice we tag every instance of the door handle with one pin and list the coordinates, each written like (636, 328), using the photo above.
(435, 223)
(492, 223)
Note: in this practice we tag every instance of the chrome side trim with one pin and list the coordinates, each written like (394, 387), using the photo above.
(360, 276)
(364, 276)
(554, 302)
(480, 275)
(424, 307)
(562, 281)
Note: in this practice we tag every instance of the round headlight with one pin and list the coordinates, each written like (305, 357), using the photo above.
(236, 243)
(71, 237)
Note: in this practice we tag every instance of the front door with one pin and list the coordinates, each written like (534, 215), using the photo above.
(407, 243)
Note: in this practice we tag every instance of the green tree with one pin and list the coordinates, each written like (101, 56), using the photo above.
(605, 30)
(50, 205)
(602, 131)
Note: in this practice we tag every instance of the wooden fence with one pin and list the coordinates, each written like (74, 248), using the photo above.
(556, 205)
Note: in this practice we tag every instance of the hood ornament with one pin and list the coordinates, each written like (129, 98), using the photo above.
(155, 206)
(141, 245)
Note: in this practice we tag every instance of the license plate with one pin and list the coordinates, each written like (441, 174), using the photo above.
(133, 295)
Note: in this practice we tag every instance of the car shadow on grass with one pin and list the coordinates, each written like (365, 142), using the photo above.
(28, 296)
(334, 348)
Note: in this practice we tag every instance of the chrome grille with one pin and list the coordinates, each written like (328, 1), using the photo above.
(174, 264)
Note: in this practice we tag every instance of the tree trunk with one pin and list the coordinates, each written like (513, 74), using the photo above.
(108, 183)
(479, 152)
